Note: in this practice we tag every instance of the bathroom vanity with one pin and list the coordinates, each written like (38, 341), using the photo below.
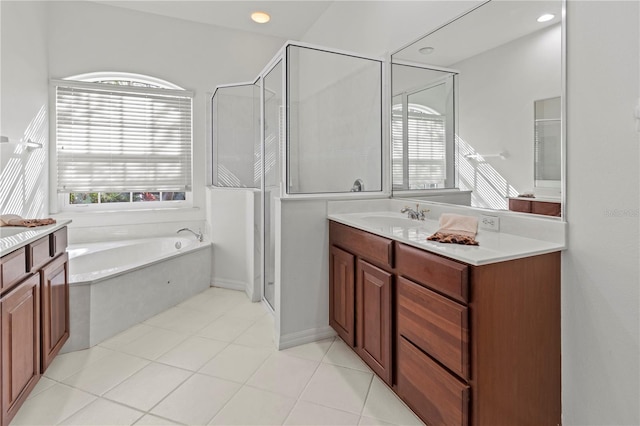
(547, 207)
(34, 307)
(464, 335)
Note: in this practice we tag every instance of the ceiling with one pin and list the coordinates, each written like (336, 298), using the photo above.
(289, 19)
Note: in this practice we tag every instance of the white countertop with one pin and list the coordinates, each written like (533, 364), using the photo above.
(493, 246)
(14, 237)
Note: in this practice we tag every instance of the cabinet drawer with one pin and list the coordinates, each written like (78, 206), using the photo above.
(523, 206)
(59, 242)
(434, 394)
(435, 324)
(38, 253)
(13, 268)
(443, 275)
(368, 246)
(548, 209)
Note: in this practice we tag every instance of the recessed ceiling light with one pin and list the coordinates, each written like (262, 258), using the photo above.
(426, 50)
(546, 17)
(260, 17)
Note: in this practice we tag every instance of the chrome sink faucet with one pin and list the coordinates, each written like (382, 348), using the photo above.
(198, 234)
(416, 214)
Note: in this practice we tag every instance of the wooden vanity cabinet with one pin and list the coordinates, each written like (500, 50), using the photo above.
(20, 312)
(469, 345)
(361, 295)
(547, 208)
(34, 320)
(54, 279)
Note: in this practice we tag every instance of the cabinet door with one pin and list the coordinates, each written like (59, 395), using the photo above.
(20, 345)
(341, 294)
(55, 308)
(373, 296)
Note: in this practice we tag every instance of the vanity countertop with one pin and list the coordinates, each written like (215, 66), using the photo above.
(14, 237)
(493, 246)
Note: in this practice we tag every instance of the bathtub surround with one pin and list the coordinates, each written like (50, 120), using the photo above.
(102, 306)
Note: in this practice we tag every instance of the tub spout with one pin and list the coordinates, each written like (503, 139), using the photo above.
(198, 234)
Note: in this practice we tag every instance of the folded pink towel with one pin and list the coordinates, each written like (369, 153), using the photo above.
(458, 224)
(456, 229)
(15, 220)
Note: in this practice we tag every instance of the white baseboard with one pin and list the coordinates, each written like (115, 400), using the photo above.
(305, 336)
(230, 284)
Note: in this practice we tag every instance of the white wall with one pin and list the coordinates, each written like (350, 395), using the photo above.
(497, 89)
(601, 269)
(24, 105)
(86, 37)
(236, 242)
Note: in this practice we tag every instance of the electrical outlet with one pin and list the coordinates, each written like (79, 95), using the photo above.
(490, 223)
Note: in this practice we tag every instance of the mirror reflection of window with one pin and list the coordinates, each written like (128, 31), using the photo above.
(547, 139)
(423, 135)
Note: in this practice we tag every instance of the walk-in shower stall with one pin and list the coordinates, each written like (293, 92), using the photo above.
(308, 129)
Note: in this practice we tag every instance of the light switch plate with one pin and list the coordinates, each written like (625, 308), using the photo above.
(490, 223)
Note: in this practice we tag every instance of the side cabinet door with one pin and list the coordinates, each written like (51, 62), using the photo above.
(374, 318)
(55, 308)
(20, 345)
(341, 294)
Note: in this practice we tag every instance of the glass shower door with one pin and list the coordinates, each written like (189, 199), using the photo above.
(272, 92)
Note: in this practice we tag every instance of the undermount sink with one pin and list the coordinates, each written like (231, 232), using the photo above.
(392, 220)
(8, 231)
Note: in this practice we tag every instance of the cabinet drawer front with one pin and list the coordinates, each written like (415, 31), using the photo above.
(342, 294)
(13, 268)
(59, 242)
(374, 301)
(366, 245)
(434, 394)
(523, 206)
(435, 324)
(443, 275)
(38, 253)
(542, 207)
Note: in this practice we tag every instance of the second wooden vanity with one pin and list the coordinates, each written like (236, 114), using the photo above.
(34, 320)
(460, 344)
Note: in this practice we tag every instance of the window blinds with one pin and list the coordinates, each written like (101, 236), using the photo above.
(426, 148)
(113, 138)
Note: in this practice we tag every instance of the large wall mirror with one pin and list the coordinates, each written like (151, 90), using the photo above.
(490, 87)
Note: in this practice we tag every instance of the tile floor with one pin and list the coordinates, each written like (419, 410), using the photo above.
(211, 360)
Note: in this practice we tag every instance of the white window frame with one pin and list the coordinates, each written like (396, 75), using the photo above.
(59, 202)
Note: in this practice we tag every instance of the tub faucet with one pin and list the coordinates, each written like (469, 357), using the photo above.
(358, 186)
(416, 214)
(198, 234)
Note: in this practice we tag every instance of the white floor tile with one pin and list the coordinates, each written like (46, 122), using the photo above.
(197, 400)
(103, 412)
(182, 320)
(338, 387)
(259, 335)
(341, 354)
(306, 413)
(370, 421)
(153, 344)
(251, 406)
(67, 364)
(127, 336)
(226, 328)
(385, 405)
(104, 374)
(248, 311)
(148, 386)
(52, 406)
(193, 353)
(236, 363)
(149, 420)
(43, 384)
(313, 351)
(284, 374)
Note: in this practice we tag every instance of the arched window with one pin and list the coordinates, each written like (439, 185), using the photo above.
(121, 139)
